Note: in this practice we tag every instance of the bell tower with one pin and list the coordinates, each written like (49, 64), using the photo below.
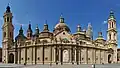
(112, 36)
(8, 33)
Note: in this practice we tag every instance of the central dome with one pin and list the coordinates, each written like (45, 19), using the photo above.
(62, 25)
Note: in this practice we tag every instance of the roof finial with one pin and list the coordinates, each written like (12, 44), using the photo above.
(29, 21)
(20, 25)
(78, 28)
(21, 30)
(111, 14)
(8, 4)
(111, 11)
(37, 26)
(100, 29)
(45, 21)
(89, 26)
(8, 8)
(61, 15)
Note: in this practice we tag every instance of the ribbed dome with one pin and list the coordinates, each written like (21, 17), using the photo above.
(62, 25)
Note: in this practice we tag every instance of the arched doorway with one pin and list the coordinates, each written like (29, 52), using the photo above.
(65, 56)
(109, 58)
(11, 58)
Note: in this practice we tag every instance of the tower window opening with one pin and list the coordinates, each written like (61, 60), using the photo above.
(112, 24)
(4, 34)
(114, 36)
(7, 19)
(10, 34)
(109, 36)
(10, 19)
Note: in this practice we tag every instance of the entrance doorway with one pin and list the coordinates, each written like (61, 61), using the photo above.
(11, 58)
(109, 58)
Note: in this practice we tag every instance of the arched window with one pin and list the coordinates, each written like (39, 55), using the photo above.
(7, 19)
(114, 36)
(112, 24)
(109, 36)
(10, 34)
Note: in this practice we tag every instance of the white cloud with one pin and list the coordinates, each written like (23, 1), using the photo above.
(104, 22)
(16, 22)
(118, 37)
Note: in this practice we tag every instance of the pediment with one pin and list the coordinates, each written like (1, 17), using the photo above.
(64, 35)
(110, 50)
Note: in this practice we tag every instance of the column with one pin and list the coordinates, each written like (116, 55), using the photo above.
(25, 55)
(56, 55)
(51, 55)
(61, 55)
(86, 55)
(80, 55)
(72, 55)
(16, 56)
(35, 55)
(77, 55)
(100, 56)
(32, 55)
(20, 57)
(43, 53)
(93, 56)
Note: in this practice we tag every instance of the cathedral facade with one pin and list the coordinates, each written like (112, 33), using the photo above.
(59, 46)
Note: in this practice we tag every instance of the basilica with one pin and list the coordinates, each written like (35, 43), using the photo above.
(60, 46)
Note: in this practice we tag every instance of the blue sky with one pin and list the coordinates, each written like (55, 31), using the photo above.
(75, 12)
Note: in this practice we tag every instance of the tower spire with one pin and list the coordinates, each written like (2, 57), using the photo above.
(112, 35)
(8, 8)
(29, 31)
(21, 30)
(89, 31)
(8, 33)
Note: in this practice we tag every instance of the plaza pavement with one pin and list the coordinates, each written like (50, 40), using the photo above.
(59, 66)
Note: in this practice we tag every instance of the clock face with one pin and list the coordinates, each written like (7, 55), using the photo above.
(109, 46)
